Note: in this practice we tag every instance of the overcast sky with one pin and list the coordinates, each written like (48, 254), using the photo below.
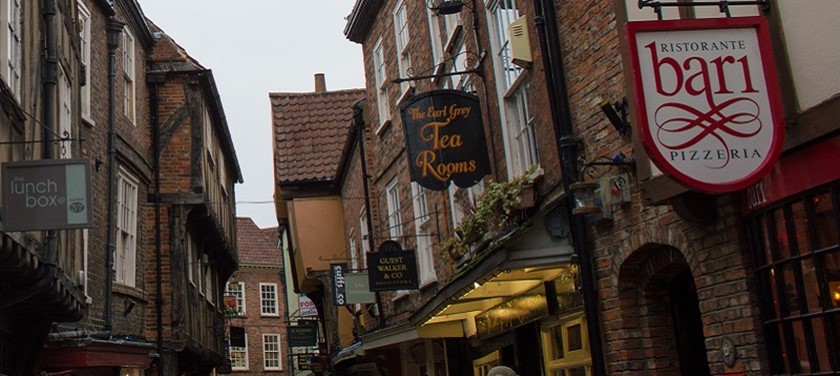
(255, 47)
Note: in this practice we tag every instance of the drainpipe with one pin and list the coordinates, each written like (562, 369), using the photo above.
(155, 80)
(114, 32)
(50, 85)
(359, 122)
(545, 18)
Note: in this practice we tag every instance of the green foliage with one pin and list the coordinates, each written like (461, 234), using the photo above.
(496, 210)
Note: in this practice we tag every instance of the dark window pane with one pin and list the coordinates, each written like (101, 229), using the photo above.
(812, 288)
(783, 346)
(831, 266)
(776, 294)
(557, 342)
(801, 340)
(782, 236)
(824, 221)
(800, 223)
(237, 336)
(766, 242)
(793, 299)
(580, 371)
(821, 343)
(575, 338)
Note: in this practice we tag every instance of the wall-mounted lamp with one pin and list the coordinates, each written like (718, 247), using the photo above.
(617, 115)
(583, 195)
(445, 7)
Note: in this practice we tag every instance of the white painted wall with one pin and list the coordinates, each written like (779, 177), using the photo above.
(812, 31)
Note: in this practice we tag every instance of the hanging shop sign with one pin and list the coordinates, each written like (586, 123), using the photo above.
(338, 285)
(304, 334)
(358, 288)
(306, 306)
(49, 194)
(445, 139)
(392, 268)
(707, 100)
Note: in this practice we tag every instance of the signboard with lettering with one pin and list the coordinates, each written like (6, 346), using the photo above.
(707, 100)
(445, 139)
(392, 268)
(513, 313)
(306, 306)
(304, 334)
(337, 274)
(358, 288)
(49, 194)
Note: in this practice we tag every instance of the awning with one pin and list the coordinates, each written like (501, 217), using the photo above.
(526, 261)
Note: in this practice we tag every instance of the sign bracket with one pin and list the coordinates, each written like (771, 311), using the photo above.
(723, 5)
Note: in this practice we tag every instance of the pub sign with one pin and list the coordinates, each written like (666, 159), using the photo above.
(707, 100)
(48, 194)
(445, 139)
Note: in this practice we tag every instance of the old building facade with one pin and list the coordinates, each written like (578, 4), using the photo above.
(637, 283)
(85, 300)
(258, 342)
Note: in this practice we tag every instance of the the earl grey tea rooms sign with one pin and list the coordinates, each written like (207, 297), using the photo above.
(46, 195)
(444, 135)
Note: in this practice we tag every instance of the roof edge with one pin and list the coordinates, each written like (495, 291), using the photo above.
(361, 19)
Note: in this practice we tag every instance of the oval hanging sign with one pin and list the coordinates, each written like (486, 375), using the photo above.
(707, 102)
(444, 135)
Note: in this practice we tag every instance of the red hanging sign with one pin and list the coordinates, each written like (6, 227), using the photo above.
(708, 106)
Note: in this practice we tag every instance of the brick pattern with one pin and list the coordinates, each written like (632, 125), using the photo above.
(639, 252)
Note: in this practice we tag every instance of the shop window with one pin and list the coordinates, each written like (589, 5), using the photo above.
(238, 348)
(566, 348)
(795, 245)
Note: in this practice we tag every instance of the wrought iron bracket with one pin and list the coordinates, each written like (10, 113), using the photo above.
(723, 5)
(447, 74)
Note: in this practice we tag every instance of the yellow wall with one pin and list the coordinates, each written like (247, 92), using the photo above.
(317, 234)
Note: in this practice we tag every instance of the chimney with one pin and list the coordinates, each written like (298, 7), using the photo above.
(320, 83)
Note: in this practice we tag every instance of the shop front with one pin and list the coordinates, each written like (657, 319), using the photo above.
(517, 305)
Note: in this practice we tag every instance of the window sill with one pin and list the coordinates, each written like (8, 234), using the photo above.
(427, 285)
(87, 120)
(401, 295)
(127, 290)
(383, 127)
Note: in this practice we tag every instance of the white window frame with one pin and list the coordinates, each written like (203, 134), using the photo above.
(435, 36)
(239, 294)
(520, 131)
(422, 224)
(125, 261)
(239, 350)
(269, 303)
(473, 193)
(499, 19)
(363, 237)
(14, 47)
(129, 76)
(392, 199)
(84, 51)
(381, 81)
(402, 39)
(272, 340)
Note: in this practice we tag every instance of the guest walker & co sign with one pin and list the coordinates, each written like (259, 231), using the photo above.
(708, 106)
(445, 139)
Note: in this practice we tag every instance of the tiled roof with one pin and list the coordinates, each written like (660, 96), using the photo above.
(257, 246)
(310, 131)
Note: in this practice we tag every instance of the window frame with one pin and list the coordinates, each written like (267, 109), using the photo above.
(125, 260)
(239, 295)
(237, 349)
(402, 37)
(264, 300)
(380, 74)
(422, 224)
(392, 200)
(266, 352)
(129, 76)
(84, 19)
(14, 47)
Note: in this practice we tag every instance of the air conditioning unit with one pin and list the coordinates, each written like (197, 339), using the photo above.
(520, 46)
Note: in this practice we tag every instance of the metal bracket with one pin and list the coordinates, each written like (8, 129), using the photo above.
(723, 5)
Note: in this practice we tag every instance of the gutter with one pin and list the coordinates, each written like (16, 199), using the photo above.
(114, 32)
(545, 18)
(155, 80)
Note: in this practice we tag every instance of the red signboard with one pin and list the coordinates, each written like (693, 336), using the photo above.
(708, 106)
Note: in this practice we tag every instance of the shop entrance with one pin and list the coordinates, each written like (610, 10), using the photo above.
(659, 302)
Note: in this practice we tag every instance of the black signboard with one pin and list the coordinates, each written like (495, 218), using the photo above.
(303, 335)
(445, 139)
(339, 292)
(393, 269)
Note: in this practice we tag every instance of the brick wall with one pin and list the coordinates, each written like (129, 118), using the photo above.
(256, 324)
